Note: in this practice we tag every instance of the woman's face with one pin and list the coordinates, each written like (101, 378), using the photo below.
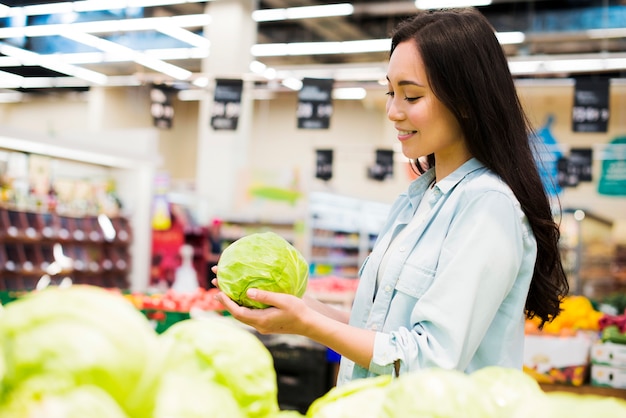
(425, 126)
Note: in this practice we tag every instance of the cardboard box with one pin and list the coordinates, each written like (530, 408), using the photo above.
(556, 359)
(608, 376)
(609, 354)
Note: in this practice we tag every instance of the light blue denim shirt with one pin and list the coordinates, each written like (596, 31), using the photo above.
(453, 292)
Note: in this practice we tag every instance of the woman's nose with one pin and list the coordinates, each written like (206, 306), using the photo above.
(394, 112)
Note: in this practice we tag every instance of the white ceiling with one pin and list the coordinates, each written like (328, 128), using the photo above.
(567, 29)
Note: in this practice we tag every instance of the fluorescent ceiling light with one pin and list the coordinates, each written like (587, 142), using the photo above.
(606, 33)
(178, 53)
(10, 80)
(320, 48)
(86, 6)
(440, 4)
(369, 45)
(4, 10)
(257, 67)
(292, 83)
(508, 38)
(111, 26)
(53, 62)
(568, 65)
(349, 93)
(123, 51)
(575, 65)
(524, 67)
(306, 12)
(184, 35)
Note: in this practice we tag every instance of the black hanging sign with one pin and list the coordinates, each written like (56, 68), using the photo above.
(315, 103)
(226, 104)
(583, 158)
(324, 164)
(161, 108)
(383, 168)
(575, 168)
(591, 105)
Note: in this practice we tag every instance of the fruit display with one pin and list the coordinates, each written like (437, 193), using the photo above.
(578, 314)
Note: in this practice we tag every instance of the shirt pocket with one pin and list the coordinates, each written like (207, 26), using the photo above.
(414, 280)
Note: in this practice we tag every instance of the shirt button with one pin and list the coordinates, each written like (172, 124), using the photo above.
(401, 249)
(374, 327)
(387, 288)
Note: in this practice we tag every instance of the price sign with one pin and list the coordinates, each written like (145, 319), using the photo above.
(226, 104)
(315, 104)
(591, 105)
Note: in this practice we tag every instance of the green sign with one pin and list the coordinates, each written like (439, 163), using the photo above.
(613, 176)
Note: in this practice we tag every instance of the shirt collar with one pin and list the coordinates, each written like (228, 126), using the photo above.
(447, 183)
(420, 184)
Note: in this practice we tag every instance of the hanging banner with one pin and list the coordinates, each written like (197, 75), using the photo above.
(315, 103)
(324, 164)
(591, 105)
(613, 175)
(548, 155)
(226, 104)
(383, 168)
(161, 109)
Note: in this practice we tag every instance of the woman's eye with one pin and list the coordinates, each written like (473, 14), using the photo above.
(411, 99)
(389, 93)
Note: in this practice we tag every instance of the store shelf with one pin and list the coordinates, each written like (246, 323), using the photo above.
(37, 244)
(342, 232)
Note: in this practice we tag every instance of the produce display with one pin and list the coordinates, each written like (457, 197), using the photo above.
(578, 314)
(492, 392)
(85, 351)
(263, 260)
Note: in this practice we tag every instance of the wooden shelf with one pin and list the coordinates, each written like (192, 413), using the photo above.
(585, 390)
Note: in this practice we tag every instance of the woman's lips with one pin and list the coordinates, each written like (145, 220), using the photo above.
(404, 135)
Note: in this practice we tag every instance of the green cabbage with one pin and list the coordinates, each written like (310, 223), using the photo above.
(51, 396)
(193, 395)
(83, 334)
(436, 392)
(508, 387)
(571, 405)
(356, 399)
(262, 260)
(227, 354)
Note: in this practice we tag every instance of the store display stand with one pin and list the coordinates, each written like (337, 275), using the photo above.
(129, 157)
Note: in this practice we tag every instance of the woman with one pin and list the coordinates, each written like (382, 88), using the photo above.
(471, 248)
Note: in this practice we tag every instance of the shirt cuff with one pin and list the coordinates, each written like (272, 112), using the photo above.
(385, 354)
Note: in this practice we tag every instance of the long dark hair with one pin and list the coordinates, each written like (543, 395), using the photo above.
(468, 72)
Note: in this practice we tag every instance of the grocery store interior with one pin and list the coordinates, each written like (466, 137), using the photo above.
(129, 130)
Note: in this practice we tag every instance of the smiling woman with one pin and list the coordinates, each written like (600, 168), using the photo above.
(467, 252)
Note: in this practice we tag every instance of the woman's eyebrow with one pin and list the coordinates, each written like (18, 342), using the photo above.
(406, 83)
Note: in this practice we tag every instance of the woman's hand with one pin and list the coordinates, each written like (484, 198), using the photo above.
(284, 316)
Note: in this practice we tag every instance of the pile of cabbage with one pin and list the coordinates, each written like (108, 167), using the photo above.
(84, 351)
(491, 392)
(87, 352)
